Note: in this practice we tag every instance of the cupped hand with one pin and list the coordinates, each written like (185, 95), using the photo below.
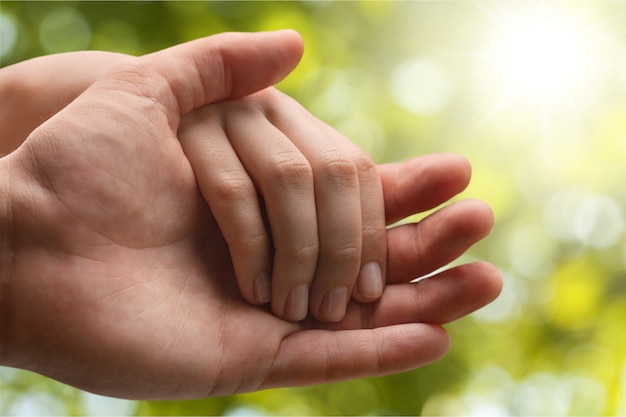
(120, 281)
(323, 230)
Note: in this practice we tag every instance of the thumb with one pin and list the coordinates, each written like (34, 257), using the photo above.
(193, 74)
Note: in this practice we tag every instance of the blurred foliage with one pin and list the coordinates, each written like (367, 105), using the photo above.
(532, 92)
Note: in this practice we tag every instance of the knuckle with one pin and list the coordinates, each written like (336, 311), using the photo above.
(337, 166)
(305, 252)
(271, 102)
(374, 242)
(233, 188)
(365, 165)
(345, 254)
(291, 168)
(254, 242)
(374, 232)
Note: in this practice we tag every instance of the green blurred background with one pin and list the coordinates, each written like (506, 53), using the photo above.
(532, 92)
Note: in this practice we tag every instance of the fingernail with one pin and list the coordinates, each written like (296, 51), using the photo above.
(334, 304)
(261, 288)
(370, 281)
(297, 303)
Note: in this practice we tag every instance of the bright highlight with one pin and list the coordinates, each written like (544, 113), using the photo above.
(545, 55)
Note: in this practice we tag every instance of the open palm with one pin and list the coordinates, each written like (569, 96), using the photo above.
(122, 284)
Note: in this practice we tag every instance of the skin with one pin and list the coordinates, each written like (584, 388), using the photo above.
(116, 277)
(34, 90)
(321, 200)
(294, 254)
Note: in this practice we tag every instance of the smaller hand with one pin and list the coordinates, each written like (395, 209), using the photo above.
(300, 206)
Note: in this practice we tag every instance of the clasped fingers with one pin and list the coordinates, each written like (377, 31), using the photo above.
(300, 206)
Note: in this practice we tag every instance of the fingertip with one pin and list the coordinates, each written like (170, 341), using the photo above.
(290, 43)
(458, 226)
(369, 284)
(444, 342)
(333, 306)
(432, 342)
(481, 282)
(459, 169)
(366, 300)
(296, 304)
(457, 160)
(491, 280)
(295, 38)
(262, 289)
(477, 218)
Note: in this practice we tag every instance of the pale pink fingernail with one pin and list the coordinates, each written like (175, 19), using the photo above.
(334, 304)
(261, 288)
(297, 303)
(370, 281)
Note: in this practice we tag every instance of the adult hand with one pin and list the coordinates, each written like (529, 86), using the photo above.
(35, 89)
(343, 205)
(323, 230)
(116, 279)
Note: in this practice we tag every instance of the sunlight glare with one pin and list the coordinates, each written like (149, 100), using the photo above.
(545, 55)
(542, 55)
